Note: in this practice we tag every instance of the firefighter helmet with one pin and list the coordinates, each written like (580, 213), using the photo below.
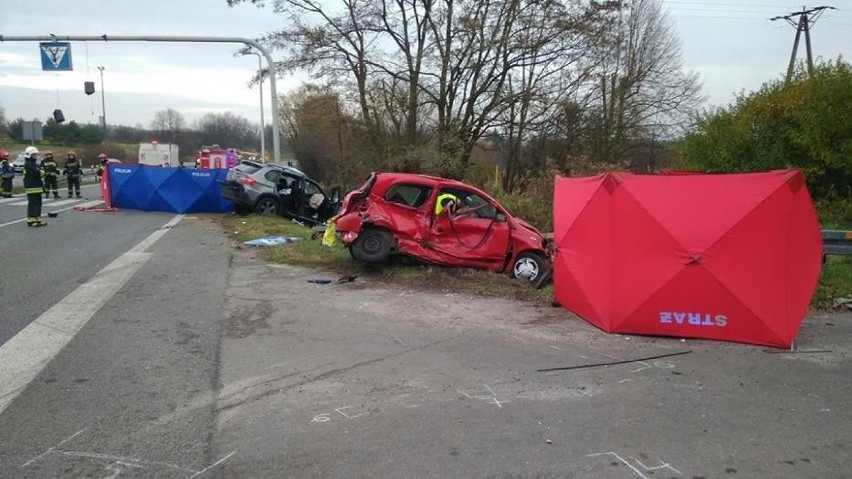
(4, 155)
(31, 150)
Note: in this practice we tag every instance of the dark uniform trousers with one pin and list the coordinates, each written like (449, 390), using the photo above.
(50, 185)
(33, 206)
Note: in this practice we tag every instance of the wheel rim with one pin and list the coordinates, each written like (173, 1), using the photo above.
(526, 268)
(372, 245)
(267, 207)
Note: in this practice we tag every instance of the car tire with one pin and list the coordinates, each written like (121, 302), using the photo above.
(372, 246)
(529, 266)
(266, 206)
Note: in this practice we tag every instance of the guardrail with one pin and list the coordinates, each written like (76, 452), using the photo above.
(837, 242)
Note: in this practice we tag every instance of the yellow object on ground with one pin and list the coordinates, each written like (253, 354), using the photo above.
(329, 238)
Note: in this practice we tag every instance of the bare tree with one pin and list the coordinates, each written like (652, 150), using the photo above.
(4, 127)
(450, 72)
(169, 122)
(227, 129)
(319, 132)
(642, 89)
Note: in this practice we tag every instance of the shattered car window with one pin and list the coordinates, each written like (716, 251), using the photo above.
(408, 195)
(474, 205)
(272, 176)
(312, 188)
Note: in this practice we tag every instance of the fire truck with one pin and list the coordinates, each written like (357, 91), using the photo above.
(216, 157)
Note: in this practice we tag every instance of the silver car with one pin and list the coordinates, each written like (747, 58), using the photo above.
(278, 190)
(18, 162)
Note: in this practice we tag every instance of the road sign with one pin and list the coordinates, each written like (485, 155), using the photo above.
(55, 56)
(31, 130)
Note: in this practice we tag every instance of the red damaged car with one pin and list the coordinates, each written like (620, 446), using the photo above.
(439, 221)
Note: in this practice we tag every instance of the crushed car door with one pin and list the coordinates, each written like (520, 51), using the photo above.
(407, 213)
(472, 232)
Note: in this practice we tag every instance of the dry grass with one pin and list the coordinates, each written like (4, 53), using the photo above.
(311, 253)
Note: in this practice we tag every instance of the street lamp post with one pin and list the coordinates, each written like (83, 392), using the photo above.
(103, 103)
(260, 83)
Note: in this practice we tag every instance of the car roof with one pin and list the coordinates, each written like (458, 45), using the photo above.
(288, 169)
(390, 177)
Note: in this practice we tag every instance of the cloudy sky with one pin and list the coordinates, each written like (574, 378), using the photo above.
(730, 43)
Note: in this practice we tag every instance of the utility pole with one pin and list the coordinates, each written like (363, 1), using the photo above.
(247, 51)
(807, 17)
(103, 102)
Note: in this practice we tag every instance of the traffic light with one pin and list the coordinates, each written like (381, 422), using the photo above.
(89, 87)
(58, 116)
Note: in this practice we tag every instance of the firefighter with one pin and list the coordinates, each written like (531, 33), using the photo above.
(73, 171)
(102, 165)
(8, 172)
(33, 187)
(446, 201)
(51, 171)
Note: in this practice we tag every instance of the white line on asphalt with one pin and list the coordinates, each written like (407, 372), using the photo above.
(61, 202)
(147, 242)
(84, 205)
(20, 203)
(9, 200)
(26, 354)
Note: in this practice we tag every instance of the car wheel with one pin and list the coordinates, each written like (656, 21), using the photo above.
(372, 246)
(267, 206)
(528, 266)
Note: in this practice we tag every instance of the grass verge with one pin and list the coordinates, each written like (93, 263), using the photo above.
(835, 280)
(406, 272)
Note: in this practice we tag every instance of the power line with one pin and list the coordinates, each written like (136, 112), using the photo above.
(725, 4)
(806, 19)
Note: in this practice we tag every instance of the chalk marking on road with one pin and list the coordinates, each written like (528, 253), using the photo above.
(663, 465)
(643, 476)
(340, 410)
(211, 466)
(124, 461)
(121, 459)
(85, 205)
(53, 447)
(37, 344)
(324, 417)
(492, 399)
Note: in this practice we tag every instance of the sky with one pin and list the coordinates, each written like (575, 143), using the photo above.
(731, 44)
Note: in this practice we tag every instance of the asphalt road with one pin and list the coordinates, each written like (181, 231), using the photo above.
(119, 384)
(204, 364)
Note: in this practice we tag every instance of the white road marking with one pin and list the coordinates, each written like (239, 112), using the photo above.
(9, 200)
(20, 203)
(84, 205)
(61, 202)
(26, 354)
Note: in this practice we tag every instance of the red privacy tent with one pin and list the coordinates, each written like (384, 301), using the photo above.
(732, 257)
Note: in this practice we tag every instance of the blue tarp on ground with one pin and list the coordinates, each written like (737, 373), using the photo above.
(174, 190)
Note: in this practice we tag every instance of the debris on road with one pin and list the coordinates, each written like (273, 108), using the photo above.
(843, 303)
(319, 281)
(271, 241)
(613, 363)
